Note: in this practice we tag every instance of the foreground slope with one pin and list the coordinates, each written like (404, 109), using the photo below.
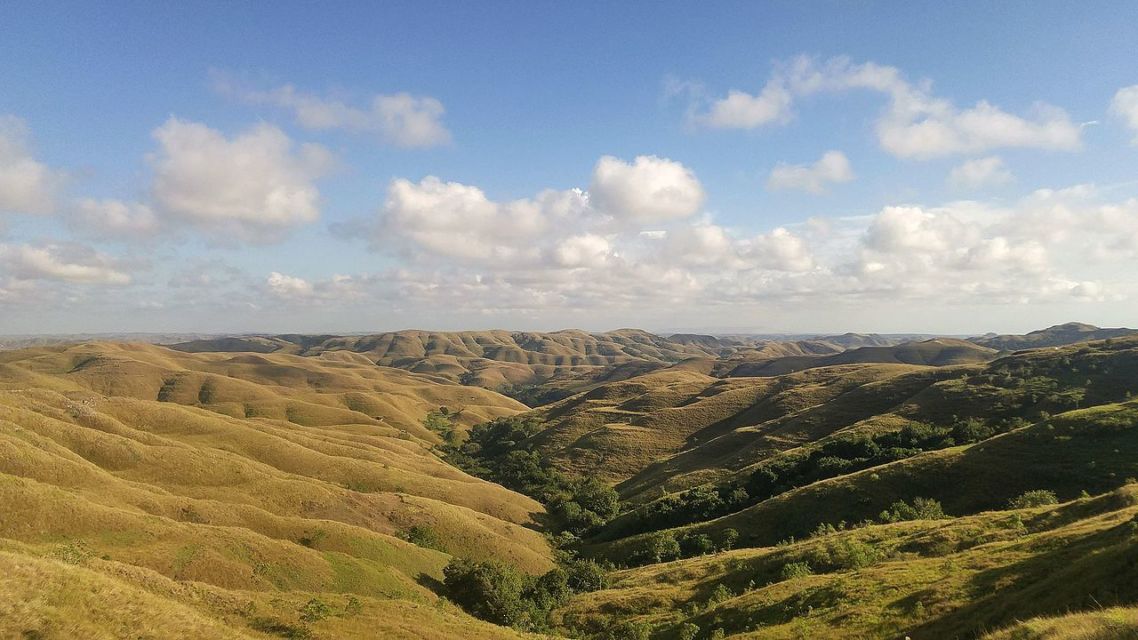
(943, 578)
(251, 476)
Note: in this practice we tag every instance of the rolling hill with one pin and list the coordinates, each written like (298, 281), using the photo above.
(306, 487)
(857, 500)
(209, 491)
(1056, 336)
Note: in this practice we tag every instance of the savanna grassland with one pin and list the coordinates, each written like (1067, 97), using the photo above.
(603, 486)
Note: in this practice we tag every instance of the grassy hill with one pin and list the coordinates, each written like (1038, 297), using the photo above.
(945, 578)
(622, 429)
(545, 367)
(937, 352)
(309, 487)
(228, 490)
(879, 485)
(491, 359)
(1056, 336)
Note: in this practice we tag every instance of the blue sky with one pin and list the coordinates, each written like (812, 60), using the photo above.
(231, 167)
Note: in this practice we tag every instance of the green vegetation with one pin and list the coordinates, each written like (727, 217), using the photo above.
(1037, 498)
(272, 494)
(498, 451)
(503, 595)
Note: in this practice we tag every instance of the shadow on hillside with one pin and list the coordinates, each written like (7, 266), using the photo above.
(1093, 572)
(430, 582)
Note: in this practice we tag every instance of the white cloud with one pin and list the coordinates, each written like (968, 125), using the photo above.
(833, 167)
(1125, 106)
(587, 250)
(458, 221)
(979, 173)
(253, 187)
(648, 189)
(780, 250)
(711, 246)
(741, 110)
(288, 286)
(400, 119)
(916, 124)
(26, 185)
(114, 219)
(68, 263)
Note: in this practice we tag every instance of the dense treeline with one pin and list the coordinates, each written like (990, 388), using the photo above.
(839, 456)
(498, 451)
(501, 594)
(496, 592)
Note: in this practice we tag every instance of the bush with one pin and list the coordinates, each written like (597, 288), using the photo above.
(697, 545)
(425, 537)
(662, 547)
(585, 576)
(847, 554)
(315, 610)
(921, 509)
(487, 590)
(719, 594)
(503, 595)
(629, 630)
(1037, 498)
(730, 537)
(792, 570)
(687, 631)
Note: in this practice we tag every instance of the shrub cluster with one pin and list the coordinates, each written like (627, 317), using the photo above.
(499, 451)
(501, 594)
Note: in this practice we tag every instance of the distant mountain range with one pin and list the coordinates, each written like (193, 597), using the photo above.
(1056, 336)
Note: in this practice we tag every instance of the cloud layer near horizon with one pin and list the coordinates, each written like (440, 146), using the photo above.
(634, 239)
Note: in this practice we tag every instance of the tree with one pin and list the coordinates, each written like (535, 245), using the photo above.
(487, 590)
(1037, 498)
(921, 509)
(598, 497)
(719, 594)
(698, 545)
(663, 546)
(792, 570)
(550, 590)
(687, 631)
(584, 576)
(730, 537)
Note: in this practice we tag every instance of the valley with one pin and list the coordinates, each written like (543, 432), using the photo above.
(654, 487)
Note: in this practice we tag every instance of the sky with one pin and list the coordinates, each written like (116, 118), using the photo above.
(721, 167)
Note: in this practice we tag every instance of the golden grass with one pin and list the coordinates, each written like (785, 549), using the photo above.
(270, 476)
(90, 598)
(935, 579)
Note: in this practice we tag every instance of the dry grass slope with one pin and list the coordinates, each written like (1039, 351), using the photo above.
(270, 476)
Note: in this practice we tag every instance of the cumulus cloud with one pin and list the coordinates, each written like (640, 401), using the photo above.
(254, 186)
(741, 110)
(399, 119)
(460, 222)
(114, 219)
(586, 250)
(647, 189)
(26, 185)
(68, 263)
(917, 124)
(1125, 106)
(288, 286)
(980, 173)
(833, 167)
